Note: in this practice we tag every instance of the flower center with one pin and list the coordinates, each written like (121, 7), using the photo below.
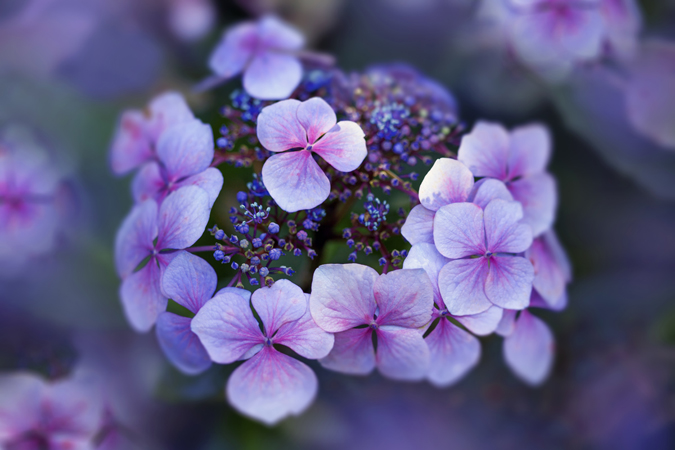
(309, 147)
(373, 325)
(268, 342)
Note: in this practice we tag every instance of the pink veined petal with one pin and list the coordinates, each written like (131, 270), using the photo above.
(234, 50)
(459, 231)
(507, 323)
(131, 145)
(227, 328)
(461, 283)
(485, 150)
(448, 181)
(483, 323)
(316, 117)
(166, 110)
(503, 231)
(142, 298)
(211, 180)
(305, 337)
(189, 281)
(539, 197)
(404, 298)
(353, 352)
(278, 128)
(488, 189)
(402, 353)
(550, 275)
(75, 408)
(342, 296)
(271, 386)
(528, 351)
(272, 76)
(180, 345)
(584, 33)
(183, 217)
(20, 399)
(295, 181)
(623, 21)
(278, 35)
(185, 149)
(281, 303)
(530, 150)
(343, 146)
(425, 256)
(453, 352)
(509, 282)
(148, 183)
(419, 226)
(134, 238)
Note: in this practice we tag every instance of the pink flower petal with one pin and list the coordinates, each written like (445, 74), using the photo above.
(419, 226)
(488, 189)
(295, 181)
(461, 283)
(485, 150)
(425, 256)
(539, 197)
(185, 149)
(528, 351)
(448, 181)
(75, 409)
(483, 323)
(141, 297)
(134, 239)
(459, 230)
(277, 34)
(316, 117)
(551, 267)
(189, 281)
(148, 183)
(180, 345)
(227, 328)
(509, 282)
(402, 353)
(166, 110)
(305, 337)
(503, 230)
(131, 145)
(211, 180)
(508, 323)
(272, 76)
(530, 150)
(271, 386)
(404, 298)
(353, 352)
(278, 127)
(281, 303)
(342, 296)
(343, 146)
(234, 50)
(453, 352)
(183, 217)
(20, 399)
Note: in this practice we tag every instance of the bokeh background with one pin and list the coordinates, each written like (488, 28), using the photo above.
(69, 67)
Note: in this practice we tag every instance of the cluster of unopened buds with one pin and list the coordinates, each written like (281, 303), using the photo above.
(332, 153)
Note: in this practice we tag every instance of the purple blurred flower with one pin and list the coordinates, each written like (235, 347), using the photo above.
(518, 159)
(393, 306)
(183, 157)
(294, 179)
(138, 133)
(270, 385)
(622, 21)
(266, 52)
(143, 249)
(483, 245)
(35, 414)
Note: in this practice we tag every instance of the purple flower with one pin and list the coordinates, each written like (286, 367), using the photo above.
(622, 21)
(54, 416)
(146, 244)
(552, 272)
(137, 133)
(518, 159)
(183, 157)
(294, 180)
(394, 307)
(266, 52)
(270, 385)
(483, 245)
(454, 352)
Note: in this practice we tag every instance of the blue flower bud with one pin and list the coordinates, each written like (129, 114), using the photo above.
(219, 255)
(257, 243)
(220, 235)
(264, 271)
(273, 228)
(275, 254)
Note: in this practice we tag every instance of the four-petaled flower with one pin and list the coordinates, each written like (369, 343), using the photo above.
(294, 180)
(266, 52)
(355, 302)
(270, 385)
(146, 243)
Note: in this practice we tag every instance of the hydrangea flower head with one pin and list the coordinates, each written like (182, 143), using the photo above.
(518, 159)
(148, 241)
(265, 51)
(35, 414)
(137, 132)
(269, 385)
(293, 178)
(183, 157)
(355, 302)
